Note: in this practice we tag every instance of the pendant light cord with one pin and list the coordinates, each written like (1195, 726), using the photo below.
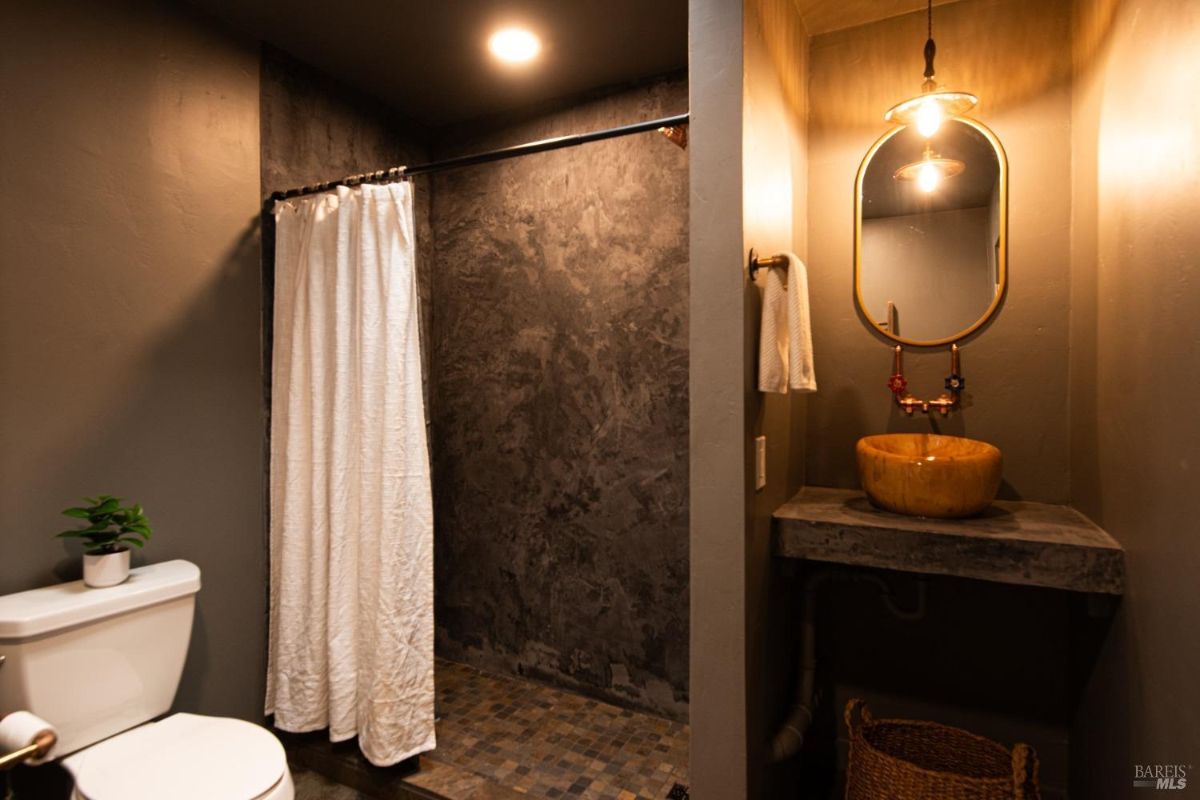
(930, 47)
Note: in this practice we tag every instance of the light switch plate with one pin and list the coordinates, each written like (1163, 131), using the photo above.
(760, 462)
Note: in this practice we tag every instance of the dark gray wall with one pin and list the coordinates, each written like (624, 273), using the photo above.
(560, 405)
(1135, 434)
(129, 307)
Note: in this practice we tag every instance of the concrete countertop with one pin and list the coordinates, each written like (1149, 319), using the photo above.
(1031, 544)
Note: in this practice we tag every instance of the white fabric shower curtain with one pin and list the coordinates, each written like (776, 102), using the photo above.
(351, 597)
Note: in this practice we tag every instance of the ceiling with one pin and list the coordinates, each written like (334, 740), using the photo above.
(428, 58)
(823, 16)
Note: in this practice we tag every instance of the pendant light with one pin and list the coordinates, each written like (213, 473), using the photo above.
(930, 171)
(927, 110)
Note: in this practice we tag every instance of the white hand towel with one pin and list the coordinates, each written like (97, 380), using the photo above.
(785, 352)
(801, 376)
(773, 334)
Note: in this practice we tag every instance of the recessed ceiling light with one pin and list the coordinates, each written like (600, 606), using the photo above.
(514, 45)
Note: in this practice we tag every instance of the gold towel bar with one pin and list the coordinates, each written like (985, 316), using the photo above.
(757, 263)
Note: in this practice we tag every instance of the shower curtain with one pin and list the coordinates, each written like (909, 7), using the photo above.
(351, 534)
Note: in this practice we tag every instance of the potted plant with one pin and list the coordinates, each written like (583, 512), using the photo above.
(110, 528)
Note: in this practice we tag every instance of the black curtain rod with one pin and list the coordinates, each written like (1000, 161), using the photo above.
(557, 143)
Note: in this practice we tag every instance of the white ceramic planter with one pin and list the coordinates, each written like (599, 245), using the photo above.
(106, 570)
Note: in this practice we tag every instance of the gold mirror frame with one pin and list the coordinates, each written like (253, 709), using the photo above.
(1002, 251)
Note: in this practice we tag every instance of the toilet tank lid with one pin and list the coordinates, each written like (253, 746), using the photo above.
(63, 605)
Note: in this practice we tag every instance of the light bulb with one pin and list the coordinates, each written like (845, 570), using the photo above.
(514, 45)
(928, 177)
(929, 118)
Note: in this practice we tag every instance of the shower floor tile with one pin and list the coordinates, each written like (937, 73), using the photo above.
(504, 738)
(544, 742)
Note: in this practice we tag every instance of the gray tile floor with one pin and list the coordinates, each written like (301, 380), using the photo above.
(503, 738)
(548, 743)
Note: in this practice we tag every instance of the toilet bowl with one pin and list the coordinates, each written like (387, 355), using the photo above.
(131, 641)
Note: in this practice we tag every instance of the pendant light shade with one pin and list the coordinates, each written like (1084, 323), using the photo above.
(929, 109)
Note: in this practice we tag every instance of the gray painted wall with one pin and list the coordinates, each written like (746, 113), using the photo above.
(559, 405)
(129, 308)
(716, 373)
(936, 268)
(1134, 350)
(748, 71)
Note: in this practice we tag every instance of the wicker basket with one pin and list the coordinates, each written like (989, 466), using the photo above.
(897, 759)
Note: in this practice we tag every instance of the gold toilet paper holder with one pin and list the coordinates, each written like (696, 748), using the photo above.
(40, 746)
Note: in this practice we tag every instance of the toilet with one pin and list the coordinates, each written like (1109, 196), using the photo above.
(103, 666)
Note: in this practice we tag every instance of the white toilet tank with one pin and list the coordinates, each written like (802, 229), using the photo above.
(95, 662)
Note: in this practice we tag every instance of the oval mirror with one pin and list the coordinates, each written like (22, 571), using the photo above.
(930, 231)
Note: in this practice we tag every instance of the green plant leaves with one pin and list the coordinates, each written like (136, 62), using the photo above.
(108, 524)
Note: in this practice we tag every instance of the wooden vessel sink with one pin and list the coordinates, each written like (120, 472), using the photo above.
(927, 475)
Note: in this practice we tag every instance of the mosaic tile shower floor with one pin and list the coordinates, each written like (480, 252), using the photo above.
(504, 738)
(543, 742)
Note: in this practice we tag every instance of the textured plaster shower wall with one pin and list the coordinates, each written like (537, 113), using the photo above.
(560, 405)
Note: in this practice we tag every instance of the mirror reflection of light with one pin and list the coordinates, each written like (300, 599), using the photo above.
(929, 118)
(930, 171)
(514, 45)
(928, 177)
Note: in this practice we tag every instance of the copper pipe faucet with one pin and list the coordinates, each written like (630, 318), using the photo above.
(943, 403)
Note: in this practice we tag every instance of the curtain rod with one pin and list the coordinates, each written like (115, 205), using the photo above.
(556, 143)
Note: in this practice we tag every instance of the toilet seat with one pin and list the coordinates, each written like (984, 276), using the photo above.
(184, 757)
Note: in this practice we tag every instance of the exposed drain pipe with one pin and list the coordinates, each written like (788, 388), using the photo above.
(790, 737)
